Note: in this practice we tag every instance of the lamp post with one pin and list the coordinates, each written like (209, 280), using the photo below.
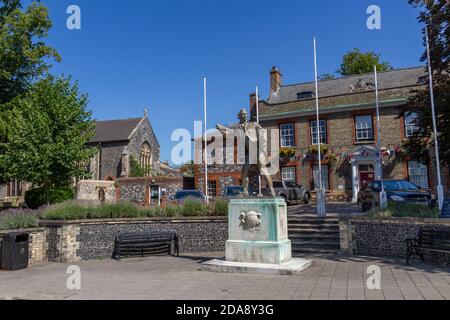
(440, 188)
(257, 121)
(383, 197)
(321, 205)
(205, 138)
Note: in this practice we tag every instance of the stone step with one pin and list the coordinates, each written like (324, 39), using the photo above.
(312, 226)
(309, 250)
(314, 236)
(295, 230)
(312, 223)
(312, 220)
(316, 243)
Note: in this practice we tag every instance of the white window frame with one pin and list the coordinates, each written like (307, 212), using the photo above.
(322, 134)
(418, 174)
(212, 192)
(287, 135)
(289, 174)
(325, 177)
(411, 127)
(364, 128)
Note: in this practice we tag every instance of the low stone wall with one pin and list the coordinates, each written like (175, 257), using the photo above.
(386, 237)
(93, 190)
(136, 190)
(71, 241)
(37, 244)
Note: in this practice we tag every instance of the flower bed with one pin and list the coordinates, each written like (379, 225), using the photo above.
(80, 211)
(18, 219)
(404, 211)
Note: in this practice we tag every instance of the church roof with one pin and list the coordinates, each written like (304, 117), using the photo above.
(114, 130)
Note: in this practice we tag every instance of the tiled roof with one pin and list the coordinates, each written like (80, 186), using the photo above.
(114, 130)
(345, 93)
(346, 85)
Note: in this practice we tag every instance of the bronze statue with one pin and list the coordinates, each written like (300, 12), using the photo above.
(251, 130)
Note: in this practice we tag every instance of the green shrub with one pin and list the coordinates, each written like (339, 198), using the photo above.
(192, 208)
(173, 211)
(146, 213)
(21, 220)
(135, 168)
(158, 212)
(36, 198)
(73, 210)
(404, 211)
(119, 210)
(220, 207)
(66, 211)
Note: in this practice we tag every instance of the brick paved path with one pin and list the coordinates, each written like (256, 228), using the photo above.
(329, 277)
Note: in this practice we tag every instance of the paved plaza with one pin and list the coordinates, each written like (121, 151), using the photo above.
(164, 277)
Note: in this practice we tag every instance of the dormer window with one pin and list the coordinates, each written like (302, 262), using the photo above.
(305, 95)
(423, 80)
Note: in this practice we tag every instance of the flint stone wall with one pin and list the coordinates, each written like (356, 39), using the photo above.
(89, 240)
(386, 237)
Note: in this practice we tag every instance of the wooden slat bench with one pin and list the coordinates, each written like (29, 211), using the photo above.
(428, 240)
(142, 244)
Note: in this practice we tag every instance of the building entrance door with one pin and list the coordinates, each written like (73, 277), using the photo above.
(366, 174)
(155, 195)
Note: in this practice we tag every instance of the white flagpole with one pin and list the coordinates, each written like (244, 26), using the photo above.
(440, 189)
(205, 155)
(321, 211)
(257, 121)
(383, 200)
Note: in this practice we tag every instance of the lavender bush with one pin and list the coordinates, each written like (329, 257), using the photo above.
(19, 219)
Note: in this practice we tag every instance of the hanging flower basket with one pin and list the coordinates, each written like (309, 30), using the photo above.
(314, 149)
(401, 155)
(287, 154)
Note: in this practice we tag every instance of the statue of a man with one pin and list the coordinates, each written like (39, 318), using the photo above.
(251, 131)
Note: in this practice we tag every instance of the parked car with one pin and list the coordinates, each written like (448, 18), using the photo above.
(397, 191)
(236, 191)
(290, 191)
(232, 191)
(183, 195)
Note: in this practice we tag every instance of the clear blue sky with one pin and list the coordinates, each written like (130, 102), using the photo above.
(137, 53)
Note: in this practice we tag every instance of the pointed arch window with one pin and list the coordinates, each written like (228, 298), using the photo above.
(145, 158)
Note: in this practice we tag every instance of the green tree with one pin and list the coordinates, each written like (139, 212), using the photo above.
(355, 62)
(24, 57)
(48, 128)
(188, 169)
(136, 170)
(327, 76)
(436, 16)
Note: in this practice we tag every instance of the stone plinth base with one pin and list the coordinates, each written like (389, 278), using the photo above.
(271, 252)
(292, 267)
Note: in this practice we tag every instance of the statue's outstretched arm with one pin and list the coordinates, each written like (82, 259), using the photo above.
(224, 130)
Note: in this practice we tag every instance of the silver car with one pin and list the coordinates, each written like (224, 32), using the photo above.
(290, 191)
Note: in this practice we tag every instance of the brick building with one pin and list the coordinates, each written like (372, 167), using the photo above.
(219, 175)
(348, 130)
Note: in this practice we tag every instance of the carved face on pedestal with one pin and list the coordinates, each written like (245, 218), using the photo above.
(250, 221)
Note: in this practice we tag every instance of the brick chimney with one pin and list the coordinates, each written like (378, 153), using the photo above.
(276, 80)
(253, 105)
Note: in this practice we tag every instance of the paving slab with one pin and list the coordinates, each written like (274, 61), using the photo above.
(164, 277)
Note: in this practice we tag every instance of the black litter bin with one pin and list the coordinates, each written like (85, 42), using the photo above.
(14, 251)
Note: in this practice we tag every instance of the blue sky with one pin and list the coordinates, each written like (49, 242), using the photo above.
(137, 53)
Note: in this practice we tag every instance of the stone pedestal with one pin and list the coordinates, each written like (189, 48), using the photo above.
(258, 239)
(257, 231)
